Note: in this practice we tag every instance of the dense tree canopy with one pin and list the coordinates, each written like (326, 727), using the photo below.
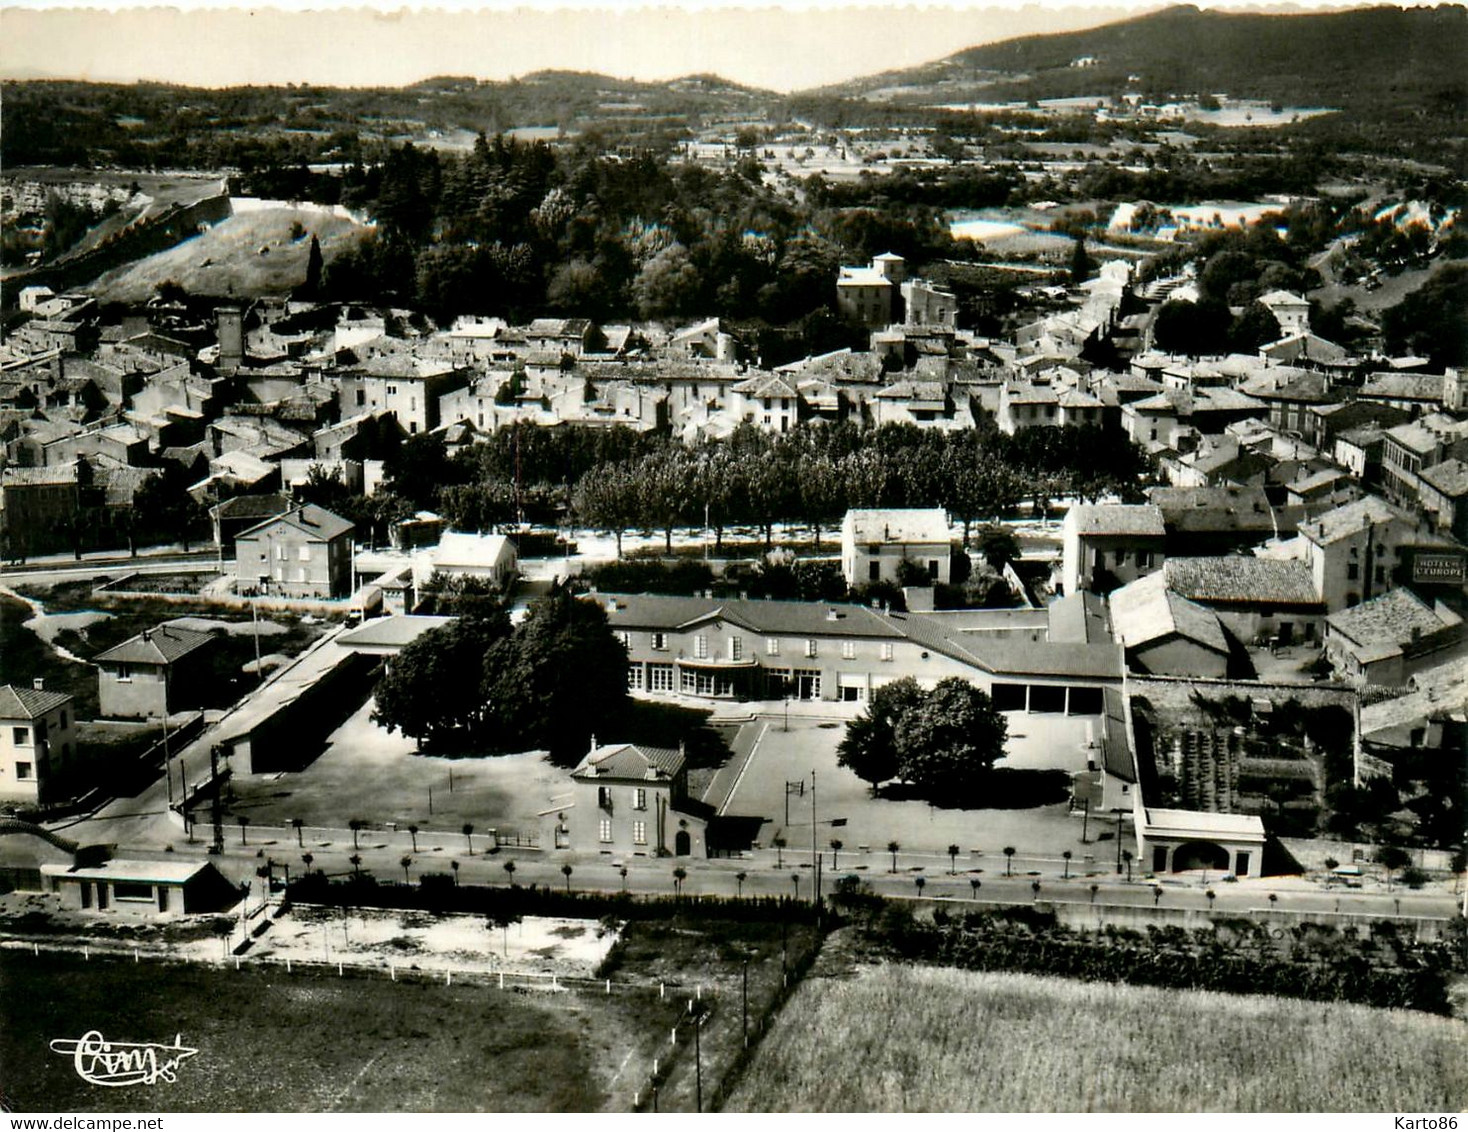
(943, 741)
(478, 684)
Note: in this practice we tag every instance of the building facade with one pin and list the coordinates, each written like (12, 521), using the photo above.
(306, 552)
(874, 544)
(37, 744)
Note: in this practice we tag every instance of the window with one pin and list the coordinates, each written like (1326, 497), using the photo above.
(634, 677)
(660, 641)
(736, 648)
(124, 672)
(848, 650)
(132, 890)
(303, 553)
(626, 638)
(660, 677)
(1353, 571)
(63, 721)
(21, 736)
(772, 647)
(1144, 559)
(301, 574)
(280, 553)
(23, 771)
(1121, 558)
(604, 797)
(886, 650)
(932, 568)
(810, 648)
(639, 798)
(874, 571)
(1380, 575)
(639, 833)
(361, 397)
(701, 646)
(606, 829)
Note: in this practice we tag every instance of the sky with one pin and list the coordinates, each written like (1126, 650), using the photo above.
(800, 44)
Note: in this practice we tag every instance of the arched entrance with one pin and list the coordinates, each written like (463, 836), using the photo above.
(682, 844)
(1199, 855)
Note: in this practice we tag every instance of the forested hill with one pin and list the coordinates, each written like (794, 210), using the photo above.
(1367, 60)
(156, 125)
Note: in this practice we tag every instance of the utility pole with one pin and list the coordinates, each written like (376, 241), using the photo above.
(815, 855)
(214, 780)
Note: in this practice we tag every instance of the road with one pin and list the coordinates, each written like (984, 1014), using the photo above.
(142, 823)
(64, 568)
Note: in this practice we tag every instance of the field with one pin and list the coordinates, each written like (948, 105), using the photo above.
(903, 1039)
(268, 1041)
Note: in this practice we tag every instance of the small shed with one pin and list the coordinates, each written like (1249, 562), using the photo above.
(142, 888)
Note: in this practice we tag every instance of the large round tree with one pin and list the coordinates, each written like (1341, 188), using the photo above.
(948, 743)
(869, 748)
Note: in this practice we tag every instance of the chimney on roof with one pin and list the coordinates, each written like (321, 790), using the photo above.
(593, 742)
(39, 683)
(147, 634)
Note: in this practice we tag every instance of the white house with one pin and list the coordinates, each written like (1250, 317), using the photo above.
(875, 542)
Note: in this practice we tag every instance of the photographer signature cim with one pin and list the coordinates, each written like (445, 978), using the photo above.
(115, 1064)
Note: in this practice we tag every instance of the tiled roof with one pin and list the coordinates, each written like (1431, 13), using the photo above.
(629, 761)
(1391, 618)
(1233, 580)
(34, 477)
(310, 520)
(897, 525)
(252, 507)
(1450, 478)
(1147, 611)
(1115, 519)
(1406, 386)
(162, 645)
(804, 618)
(28, 703)
(1348, 520)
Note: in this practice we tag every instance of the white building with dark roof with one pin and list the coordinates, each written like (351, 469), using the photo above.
(37, 742)
(632, 800)
(153, 674)
(305, 552)
(1266, 600)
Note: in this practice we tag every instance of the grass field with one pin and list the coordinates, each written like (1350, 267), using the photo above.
(269, 1041)
(903, 1039)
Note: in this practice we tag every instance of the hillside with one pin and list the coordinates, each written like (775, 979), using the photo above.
(1348, 59)
(250, 253)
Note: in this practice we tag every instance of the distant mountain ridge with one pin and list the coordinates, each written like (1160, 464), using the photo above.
(1349, 59)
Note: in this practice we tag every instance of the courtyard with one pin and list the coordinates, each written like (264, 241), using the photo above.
(1045, 828)
(366, 774)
